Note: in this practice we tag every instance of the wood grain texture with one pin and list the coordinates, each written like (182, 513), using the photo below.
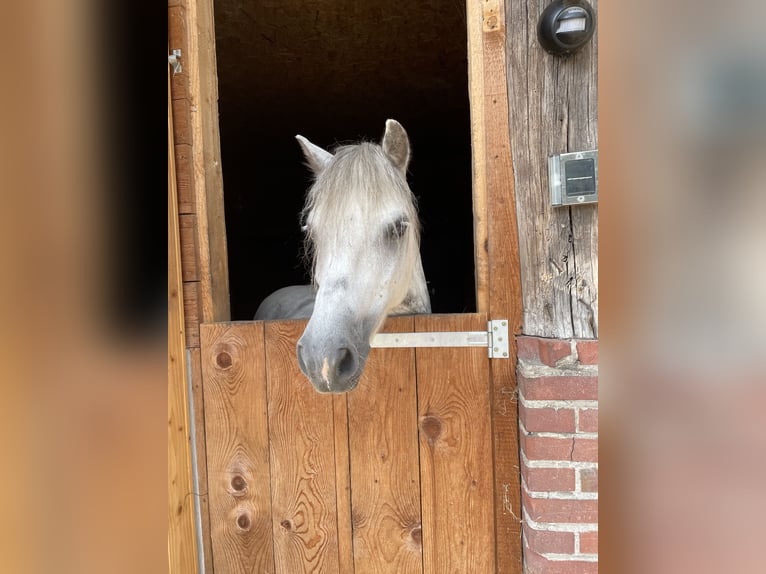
(237, 447)
(505, 299)
(184, 179)
(178, 32)
(454, 414)
(383, 444)
(474, 22)
(191, 313)
(303, 465)
(343, 484)
(188, 229)
(582, 134)
(553, 109)
(198, 415)
(182, 540)
(206, 162)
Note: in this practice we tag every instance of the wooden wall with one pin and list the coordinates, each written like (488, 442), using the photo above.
(201, 229)
(182, 547)
(548, 105)
(394, 477)
(553, 109)
(198, 166)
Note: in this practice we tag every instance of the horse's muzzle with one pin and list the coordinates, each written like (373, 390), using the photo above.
(331, 369)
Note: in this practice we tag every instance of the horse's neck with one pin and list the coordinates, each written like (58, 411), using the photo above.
(417, 300)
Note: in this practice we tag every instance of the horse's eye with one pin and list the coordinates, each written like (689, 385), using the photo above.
(396, 230)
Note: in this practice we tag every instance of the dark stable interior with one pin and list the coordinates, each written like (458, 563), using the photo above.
(334, 71)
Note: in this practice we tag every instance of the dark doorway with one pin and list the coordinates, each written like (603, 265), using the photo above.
(334, 71)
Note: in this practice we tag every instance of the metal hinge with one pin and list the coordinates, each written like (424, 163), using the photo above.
(174, 59)
(495, 339)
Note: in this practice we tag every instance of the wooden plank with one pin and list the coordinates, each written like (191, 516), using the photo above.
(188, 229)
(178, 39)
(505, 298)
(455, 451)
(184, 179)
(198, 416)
(343, 484)
(206, 162)
(191, 312)
(182, 128)
(545, 247)
(182, 539)
(303, 464)
(234, 376)
(474, 19)
(383, 443)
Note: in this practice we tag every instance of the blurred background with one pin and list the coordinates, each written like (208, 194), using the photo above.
(682, 240)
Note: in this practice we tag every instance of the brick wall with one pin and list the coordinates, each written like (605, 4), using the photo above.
(558, 423)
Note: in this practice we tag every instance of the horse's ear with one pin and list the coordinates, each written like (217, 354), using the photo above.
(316, 157)
(396, 145)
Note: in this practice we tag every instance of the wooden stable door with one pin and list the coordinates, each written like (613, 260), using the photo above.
(395, 476)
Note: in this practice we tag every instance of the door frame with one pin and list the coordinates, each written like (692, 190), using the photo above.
(496, 243)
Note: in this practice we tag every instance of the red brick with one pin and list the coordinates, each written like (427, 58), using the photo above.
(546, 541)
(526, 348)
(588, 420)
(553, 350)
(536, 564)
(545, 448)
(589, 479)
(549, 479)
(547, 420)
(589, 542)
(585, 450)
(545, 351)
(587, 352)
(560, 511)
(559, 388)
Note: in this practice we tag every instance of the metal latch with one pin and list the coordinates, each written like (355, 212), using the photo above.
(495, 339)
(174, 59)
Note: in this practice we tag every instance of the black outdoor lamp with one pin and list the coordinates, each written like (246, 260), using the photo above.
(565, 26)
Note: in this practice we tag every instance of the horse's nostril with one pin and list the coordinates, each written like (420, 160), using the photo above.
(345, 367)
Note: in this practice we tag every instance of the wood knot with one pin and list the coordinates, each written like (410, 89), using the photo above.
(243, 521)
(432, 427)
(417, 535)
(238, 483)
(286, 524)
(223, 360)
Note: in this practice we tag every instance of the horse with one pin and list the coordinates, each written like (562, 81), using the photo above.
(362, 235)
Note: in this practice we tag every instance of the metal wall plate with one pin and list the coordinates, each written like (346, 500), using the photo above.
(573, 178)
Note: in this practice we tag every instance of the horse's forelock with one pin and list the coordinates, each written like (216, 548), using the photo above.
(360, 178)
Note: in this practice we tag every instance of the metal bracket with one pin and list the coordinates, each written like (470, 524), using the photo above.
(494, 339)
(174, 59)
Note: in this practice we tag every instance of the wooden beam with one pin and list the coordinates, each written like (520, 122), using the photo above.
(478, 155)
(553, 109)
(504, 286)
(198, 414)
(182, 539)
(206, 163)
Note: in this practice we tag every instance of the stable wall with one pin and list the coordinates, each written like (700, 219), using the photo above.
(552, 108)
(558, 436)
